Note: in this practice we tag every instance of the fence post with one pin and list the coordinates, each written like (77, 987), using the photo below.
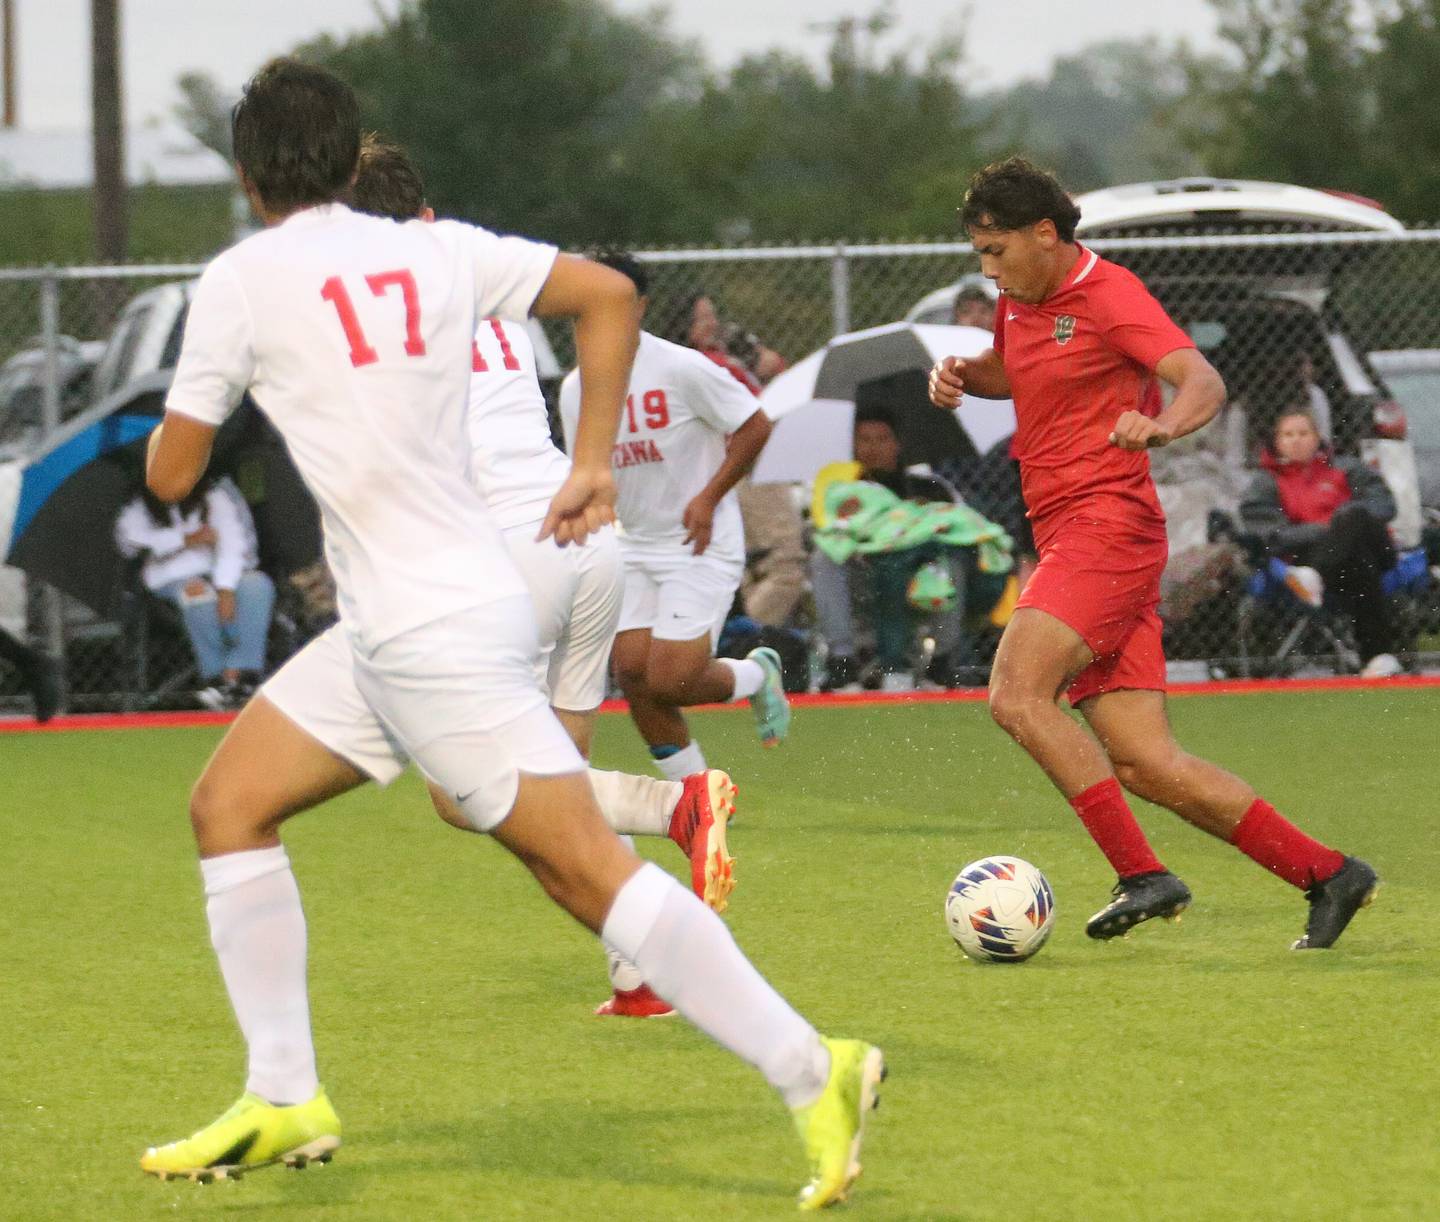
(52, 620)
(840, 290)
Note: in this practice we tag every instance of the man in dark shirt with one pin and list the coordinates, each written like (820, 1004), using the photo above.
(887, 574)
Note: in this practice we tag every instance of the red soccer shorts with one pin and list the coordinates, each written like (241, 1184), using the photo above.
(1103, 580)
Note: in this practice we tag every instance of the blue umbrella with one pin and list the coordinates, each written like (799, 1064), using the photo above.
(68, 497)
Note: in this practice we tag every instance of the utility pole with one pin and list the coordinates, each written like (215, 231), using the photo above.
(107, 131)
(7, 62)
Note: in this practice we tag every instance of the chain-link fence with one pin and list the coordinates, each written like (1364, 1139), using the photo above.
(1344, 325)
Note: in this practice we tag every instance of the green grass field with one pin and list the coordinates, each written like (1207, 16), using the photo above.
(1198, 1071)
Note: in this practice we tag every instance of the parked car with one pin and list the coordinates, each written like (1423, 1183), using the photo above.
(22, 390)
(1412, 375)
(146, 337)
(1226, 205)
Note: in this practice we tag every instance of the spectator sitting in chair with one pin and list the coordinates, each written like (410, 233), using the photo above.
(1324, 520)
(201, 556)
(888, 573)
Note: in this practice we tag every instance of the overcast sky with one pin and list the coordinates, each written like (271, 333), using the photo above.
(1009, 39)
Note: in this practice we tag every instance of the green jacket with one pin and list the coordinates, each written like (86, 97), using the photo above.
(863, 518)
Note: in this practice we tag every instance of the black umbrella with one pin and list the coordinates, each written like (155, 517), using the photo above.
(70, 496)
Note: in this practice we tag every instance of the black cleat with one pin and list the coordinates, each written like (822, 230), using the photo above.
(1140, 897)
(1335, 901)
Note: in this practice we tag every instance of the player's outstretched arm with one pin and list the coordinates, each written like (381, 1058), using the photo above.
(1199, 395)
(176, 456)
(741, 451)
(983, 376)
(607, 332)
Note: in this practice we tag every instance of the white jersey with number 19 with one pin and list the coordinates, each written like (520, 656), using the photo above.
(679, 412)
(354, 335)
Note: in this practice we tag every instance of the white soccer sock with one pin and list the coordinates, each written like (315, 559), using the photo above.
(638, 805)
(749, 676)
(624, 976)
(685, 762)
(258, 930)
(685, 953)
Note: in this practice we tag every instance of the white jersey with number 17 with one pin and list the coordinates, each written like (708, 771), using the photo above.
(354, 335)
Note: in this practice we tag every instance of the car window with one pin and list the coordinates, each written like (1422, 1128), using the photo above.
(125, 364)
(170, 356)
(114, 365)
(20, 404)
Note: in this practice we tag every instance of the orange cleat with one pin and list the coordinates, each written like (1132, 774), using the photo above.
(698, 827)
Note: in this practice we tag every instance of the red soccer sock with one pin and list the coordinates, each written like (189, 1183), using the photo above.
(1107, 817)
(1264, 835)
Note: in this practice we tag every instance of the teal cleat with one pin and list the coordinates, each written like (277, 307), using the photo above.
(772, 709)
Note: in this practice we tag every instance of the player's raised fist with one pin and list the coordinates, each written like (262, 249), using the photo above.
(1136, 431)
(947, 382)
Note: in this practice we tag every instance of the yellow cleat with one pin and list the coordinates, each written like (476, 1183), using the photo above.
(833, 1126)
(251, 1134)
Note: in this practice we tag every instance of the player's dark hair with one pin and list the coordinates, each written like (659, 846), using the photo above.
(875, 413)
(296, 131)
(386, 182)
(1015, 194)
(973, 292)
(626, 264)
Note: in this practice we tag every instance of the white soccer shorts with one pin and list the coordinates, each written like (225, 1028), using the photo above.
(576, 591)
(677, 595)
(458, 696)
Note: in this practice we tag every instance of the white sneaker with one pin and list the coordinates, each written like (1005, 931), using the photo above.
(213, 698)
(1306, 584)
(1381, 666)
(897, 681)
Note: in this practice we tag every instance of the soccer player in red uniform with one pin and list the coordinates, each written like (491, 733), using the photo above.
(1081, 347)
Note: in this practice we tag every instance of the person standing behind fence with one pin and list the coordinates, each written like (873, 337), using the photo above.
(774, 579)
(973, 307)
(202, 556)
(39, 673)
(1080, 347)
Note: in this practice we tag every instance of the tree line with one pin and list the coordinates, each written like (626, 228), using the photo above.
(568, 120)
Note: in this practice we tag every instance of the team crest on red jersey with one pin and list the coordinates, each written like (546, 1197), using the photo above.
(1064, 329)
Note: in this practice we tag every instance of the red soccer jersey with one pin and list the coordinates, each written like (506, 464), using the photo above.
(1075, 362)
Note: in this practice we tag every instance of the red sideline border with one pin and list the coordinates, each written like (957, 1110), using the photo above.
(1225, 687)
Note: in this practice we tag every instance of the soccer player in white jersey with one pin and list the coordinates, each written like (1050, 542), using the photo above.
(517, 468)
(688, 434)
(353, 334)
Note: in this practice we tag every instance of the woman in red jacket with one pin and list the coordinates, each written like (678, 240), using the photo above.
(1327, 518)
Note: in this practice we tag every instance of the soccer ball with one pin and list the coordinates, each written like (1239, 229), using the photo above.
(1000, 910)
